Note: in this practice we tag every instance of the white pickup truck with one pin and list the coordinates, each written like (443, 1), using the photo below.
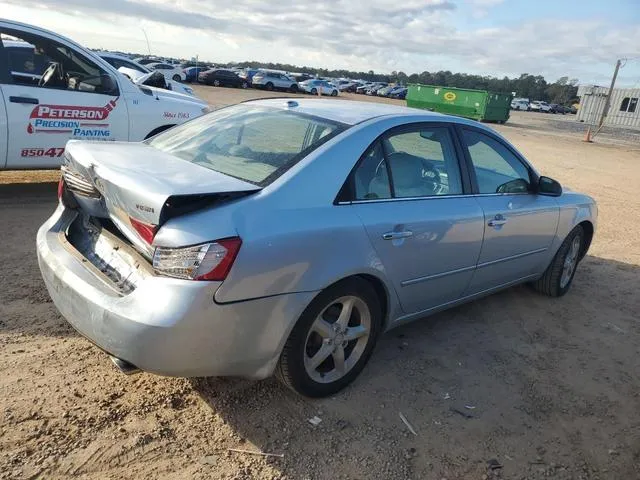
(59, 90)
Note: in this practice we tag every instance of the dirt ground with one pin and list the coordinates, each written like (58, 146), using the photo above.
(538, 387)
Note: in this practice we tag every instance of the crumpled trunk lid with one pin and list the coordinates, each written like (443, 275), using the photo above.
(133, 183)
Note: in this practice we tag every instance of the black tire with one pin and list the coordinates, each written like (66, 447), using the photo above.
(314, 91)
(334, 93)
(216, 83)
(244, 85)
(291, 370)
(550, 283)
(269, 86)
(176, 78)
(293, 88)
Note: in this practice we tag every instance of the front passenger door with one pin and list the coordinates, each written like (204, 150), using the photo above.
(520, 225)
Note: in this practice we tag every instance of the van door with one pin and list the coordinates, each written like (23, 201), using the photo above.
(52, 93)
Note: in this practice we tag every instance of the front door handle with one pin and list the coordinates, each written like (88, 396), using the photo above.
(397, 235)
(497, 221)
(33, 101)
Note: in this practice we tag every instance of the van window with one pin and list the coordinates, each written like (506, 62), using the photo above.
(41, 62)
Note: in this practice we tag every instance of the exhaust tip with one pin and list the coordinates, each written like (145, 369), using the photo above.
(124, 366)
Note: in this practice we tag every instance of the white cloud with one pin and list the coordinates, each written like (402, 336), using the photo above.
(413, 35)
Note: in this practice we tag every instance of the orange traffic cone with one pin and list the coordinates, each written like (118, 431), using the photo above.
(587, 136)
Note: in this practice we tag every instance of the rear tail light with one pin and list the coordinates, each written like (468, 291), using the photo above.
(146, 231)
(207, 261)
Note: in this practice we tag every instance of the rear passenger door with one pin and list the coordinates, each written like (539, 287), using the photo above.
(409, 191)
(520, 224)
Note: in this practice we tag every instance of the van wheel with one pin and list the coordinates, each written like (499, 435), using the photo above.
(332, 340)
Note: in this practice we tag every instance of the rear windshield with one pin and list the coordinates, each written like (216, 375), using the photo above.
(253, 143)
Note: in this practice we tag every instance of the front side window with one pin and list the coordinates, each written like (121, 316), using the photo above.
(497, 169)
(416, 163)
(41, 62)
(252, 143)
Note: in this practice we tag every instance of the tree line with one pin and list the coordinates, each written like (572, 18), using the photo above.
(533, 87)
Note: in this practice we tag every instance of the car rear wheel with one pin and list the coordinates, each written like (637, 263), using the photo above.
(269, 86)
(334, 93)
(293, 88)
(176, 78)
(216, 83)
(314, 91)
(244, 85)
(332, 340)
(558, 277)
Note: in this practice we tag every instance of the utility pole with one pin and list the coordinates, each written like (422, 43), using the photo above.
(147, 39)
(607, 101)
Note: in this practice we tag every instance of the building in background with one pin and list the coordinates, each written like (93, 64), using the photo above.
(624, 109)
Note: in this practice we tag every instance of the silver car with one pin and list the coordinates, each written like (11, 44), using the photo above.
(286, 235)
(274, 81)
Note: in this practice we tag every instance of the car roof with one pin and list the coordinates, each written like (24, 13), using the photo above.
(348, 111)
(114, 55)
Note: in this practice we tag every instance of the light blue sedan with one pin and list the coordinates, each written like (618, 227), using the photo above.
(284, 236)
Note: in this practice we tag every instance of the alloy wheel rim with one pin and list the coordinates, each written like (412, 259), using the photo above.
(570, 262)
(337, 339)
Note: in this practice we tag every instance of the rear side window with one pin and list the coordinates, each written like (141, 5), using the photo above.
(253, 143)
(417, 163)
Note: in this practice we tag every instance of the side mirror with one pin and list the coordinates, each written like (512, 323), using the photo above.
(549, 186)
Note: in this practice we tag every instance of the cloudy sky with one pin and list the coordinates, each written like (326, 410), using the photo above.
(578, 38)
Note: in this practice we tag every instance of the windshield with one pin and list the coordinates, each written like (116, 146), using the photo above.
(253, 143)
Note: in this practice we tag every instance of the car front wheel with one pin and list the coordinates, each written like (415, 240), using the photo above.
(332, 340)
(557, 279)
(176, 78)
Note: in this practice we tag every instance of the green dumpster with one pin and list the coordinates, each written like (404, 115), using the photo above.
(477, 104)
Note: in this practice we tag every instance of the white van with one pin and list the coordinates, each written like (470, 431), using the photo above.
(58, 90)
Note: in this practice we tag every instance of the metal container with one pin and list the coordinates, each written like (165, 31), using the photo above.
(624, 108)
(477, 104)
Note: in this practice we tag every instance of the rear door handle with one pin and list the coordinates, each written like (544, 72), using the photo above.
(33, 101)
(396, 235)
(497, 221)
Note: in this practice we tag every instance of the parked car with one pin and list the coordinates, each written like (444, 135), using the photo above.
(141, 75)
(248, 74)
(55, 90)
(302, 77)
(170, 71)
(274, 81)
(539, 106)
(557, 108)
(373, 89)
(147, 60)
(322, 86)
(519, 104)
(400, 93)
(362, 89)
(263, 269)
(384, 91)
(191, 73)
(219, 77)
